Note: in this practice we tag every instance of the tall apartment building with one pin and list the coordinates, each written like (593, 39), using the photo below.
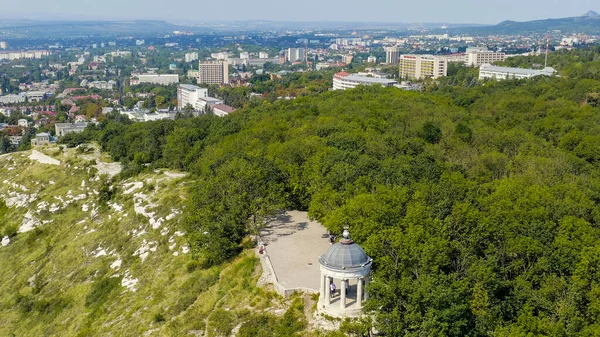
(191, 57)
(263, 55)
(423, 66)
(3, 45)
(189, 94)
(476, 56)
(295, 54)
(392, 55)
(213, 72)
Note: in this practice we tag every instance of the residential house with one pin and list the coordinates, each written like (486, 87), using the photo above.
(41, 139)
(64, 128)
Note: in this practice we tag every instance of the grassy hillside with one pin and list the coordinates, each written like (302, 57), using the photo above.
(110, 259)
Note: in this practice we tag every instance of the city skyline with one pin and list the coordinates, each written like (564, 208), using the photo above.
(457, 12)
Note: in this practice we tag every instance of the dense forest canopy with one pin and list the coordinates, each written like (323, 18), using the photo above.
(479, 203)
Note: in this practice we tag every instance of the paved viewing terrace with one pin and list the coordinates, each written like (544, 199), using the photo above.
(293, 246)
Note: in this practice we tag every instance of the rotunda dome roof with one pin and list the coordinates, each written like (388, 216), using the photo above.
(345, 255)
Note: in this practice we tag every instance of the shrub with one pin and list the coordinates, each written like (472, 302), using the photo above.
(9, 230)
(101, 290)
(431, 133)
(220, 323)
(159, 317)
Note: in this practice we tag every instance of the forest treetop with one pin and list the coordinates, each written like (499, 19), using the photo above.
(478, 203)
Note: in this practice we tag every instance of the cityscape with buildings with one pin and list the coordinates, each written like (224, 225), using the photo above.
(249, 177)
(80, 79)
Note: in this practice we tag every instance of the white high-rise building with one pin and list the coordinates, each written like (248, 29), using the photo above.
(478, 57)
(244, 55)
(191, 57)
(189, 94)
(423, 66)
(392, 55)
(213, 72)
(295, 54)
(263, 55)
(3, 45)
(220, 56)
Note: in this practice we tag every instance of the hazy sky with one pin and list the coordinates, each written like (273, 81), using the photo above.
(453, 11)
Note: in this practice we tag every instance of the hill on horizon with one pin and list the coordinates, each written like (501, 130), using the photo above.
(588, 23)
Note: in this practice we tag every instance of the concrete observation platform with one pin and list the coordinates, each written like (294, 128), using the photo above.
(293, 246)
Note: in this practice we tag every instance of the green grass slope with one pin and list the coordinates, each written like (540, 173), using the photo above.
(109, 259)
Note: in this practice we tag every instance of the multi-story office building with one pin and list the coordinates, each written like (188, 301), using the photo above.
(35, 54)
(263, 55)
(191, 57)
(476, 56)
(347, 58)
(392, 55)
(12, 99)
(488, 71)
(343, 81)
(295, 54)
(189, 94)
(3, 45)
(213, 72)
(160, 79)
(458, 58)
(423, 66)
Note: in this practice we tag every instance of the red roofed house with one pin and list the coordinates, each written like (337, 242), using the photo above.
(67, 102)
(47, 113)
(70, 90)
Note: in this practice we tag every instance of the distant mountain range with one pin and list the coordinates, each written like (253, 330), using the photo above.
(588, 23)
(45, 29)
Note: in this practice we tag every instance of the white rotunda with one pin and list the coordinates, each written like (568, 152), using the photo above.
(348, 267)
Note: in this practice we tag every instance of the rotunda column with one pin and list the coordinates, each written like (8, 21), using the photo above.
(366, 284)
(359, 292)
(322, 288)
(327, 290)
(343, 294)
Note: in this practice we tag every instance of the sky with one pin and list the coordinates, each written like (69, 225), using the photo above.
(406, 11)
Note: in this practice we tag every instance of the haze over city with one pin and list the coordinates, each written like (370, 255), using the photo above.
(461, 11)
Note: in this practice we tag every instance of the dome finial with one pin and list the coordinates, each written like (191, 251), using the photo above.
(346, 234)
